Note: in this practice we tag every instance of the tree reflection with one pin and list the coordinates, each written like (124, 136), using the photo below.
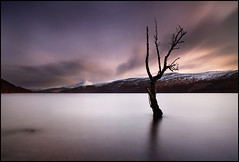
(154, 139)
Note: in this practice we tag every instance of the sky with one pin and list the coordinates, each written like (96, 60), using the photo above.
(58, 43)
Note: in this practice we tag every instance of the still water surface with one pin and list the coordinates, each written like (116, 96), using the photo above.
(118, 127)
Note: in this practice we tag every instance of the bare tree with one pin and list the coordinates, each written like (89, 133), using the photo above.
(176, 39)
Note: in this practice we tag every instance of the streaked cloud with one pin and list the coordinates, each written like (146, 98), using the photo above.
(58, 74)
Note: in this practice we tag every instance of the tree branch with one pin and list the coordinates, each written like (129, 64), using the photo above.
(157, 45)
(147, 55)
(175, 40)
(175, 60)
(173, 66)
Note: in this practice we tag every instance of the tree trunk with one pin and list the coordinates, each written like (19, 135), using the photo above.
(175, 40)
(157, 112)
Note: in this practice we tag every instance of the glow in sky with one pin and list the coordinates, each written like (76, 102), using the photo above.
(54, 43)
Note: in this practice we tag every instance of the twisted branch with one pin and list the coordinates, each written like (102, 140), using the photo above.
(176, 39)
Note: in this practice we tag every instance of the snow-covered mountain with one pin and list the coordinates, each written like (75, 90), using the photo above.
(214, 81)
(207, 82)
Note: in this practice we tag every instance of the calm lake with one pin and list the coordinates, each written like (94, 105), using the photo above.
(119, 127)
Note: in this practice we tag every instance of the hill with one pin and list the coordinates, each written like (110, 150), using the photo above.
(207, 82)
(7, 87)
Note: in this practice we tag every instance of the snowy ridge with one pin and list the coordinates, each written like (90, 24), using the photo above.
(212, 81)
(175, 78)
(198, 76)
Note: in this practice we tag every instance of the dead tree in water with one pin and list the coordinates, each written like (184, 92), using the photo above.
(152, 90)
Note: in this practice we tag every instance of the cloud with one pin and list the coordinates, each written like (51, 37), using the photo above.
(214, 34)
(56, 74)
(213, 42)
(136, 60)
(111, 38)
(210, 40)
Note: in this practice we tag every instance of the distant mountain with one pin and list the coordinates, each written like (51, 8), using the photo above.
(7, 87)
(58, 89)
(207, 82)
